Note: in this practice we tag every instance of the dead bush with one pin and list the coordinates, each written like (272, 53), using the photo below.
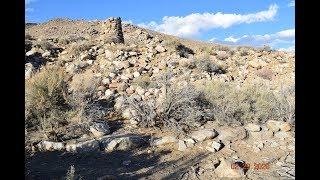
(180, 109)
(45, 45)
(184, 51)
(28, 37)
(265, 73)
(144, 81)
(79, 47)
(222, 55)
(83, 89)
(204, 63)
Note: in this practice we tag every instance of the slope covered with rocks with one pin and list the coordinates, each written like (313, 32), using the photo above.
(120, 91)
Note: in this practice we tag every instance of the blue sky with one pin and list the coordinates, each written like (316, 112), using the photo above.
(235, 22)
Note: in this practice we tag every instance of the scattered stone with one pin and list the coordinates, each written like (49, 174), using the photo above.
(214, 146)
(99, 128)
(140, 90)
(108, 93)
(126, 163)
(253, 127)
(29, 70)
(136, 74)
(119, 102)
(160, 48)
(182, 145)
(189, 142)
(232, 134)
(228, 170)
(163, 140)
(203, 134)
(31, 52)
(121, 142)
(273, 126)
(112, 75)
(222, 55)
(86, 146)
(50, 146)
(285, 126)
(101, 88)
(46, 54)
(282, 135)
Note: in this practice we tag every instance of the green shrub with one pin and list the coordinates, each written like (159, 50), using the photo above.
(45, 98)
(204, 63)
(251, 103)
(144, 81)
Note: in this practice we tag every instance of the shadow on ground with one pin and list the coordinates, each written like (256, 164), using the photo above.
(54, 165)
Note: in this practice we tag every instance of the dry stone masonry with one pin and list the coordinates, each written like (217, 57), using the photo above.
(113, 28)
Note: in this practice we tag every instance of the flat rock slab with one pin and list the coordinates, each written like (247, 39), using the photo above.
(122, 142)
(85, 146)
(163, 140)
(204, 134)
(232, 133)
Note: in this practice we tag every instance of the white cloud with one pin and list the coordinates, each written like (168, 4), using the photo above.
(275, 40)
(29, 9)
(212, 39)
(127, 22)
(288, 49)
(231, 39)
(291, 4)
(192, 24)
(29, 1)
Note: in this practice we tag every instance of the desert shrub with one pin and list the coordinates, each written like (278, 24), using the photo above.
(207, 50)
(222, 55)
(45, 98)
(27, 45)
(251, 103)
(183, 51)
(144, 81)
(244, 52)
(28, 37)
(82, 46)
(265, 48)
(204, 63)
(181, 108)
(221, 48)
(171, 43)
(63, 41)
(82, 98)
(285, 104)
(265, 73)
(45, 45)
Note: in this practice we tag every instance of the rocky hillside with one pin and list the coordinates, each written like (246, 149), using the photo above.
(194, 110)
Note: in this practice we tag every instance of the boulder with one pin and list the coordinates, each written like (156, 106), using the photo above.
(160, 48)
(232, 133)
(214, 146)
(121, 142)
(108, 93)
(285, 126)
(203, 134)
(227, 169)
(28, 70)
(51, 146)
(163, 140)
(85, 146)
(99, 128)
(182, 145)
(273, 126)
(253, 127)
